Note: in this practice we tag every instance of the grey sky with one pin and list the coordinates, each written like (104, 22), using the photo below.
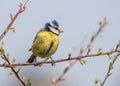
(79, 19)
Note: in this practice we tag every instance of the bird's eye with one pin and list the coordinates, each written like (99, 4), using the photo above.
(55, 28)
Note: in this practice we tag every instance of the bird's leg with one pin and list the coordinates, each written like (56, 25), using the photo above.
(53, 62)
(35, 60)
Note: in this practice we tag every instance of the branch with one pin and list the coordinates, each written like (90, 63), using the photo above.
(15, 72)
(102, 24)
(109, 69)
(22, 8)
(60, 60)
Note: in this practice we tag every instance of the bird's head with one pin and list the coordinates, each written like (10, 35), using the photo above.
(53, 26)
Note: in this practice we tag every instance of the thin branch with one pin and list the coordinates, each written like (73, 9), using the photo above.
(12, 68)
(102, 24)
(58, 61)
(22, 8)
(109, 69)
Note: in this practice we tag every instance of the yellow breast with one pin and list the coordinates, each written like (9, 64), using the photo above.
(45, 44)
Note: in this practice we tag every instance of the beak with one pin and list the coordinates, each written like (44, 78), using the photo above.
(60, 30)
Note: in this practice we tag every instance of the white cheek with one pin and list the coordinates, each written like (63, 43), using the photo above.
(51, 24)
(54, 30)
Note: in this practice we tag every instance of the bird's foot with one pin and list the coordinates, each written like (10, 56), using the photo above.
(52, 62)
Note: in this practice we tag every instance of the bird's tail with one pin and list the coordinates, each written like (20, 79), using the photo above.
(31, 59)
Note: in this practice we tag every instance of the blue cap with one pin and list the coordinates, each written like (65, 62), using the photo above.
(55, 23)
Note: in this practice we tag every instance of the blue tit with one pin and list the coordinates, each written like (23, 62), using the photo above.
(46, 41)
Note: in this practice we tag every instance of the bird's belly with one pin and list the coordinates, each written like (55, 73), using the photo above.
(41, 46)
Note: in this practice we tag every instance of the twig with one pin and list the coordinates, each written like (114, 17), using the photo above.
(109, 69)
(22, 8)
(58, 61)
(102, 24)
(12, 68)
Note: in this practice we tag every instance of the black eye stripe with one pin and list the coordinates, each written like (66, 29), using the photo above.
(54, 27)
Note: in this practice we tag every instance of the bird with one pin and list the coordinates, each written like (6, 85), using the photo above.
(46, 42)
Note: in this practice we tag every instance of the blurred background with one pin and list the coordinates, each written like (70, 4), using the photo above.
(79, 19)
